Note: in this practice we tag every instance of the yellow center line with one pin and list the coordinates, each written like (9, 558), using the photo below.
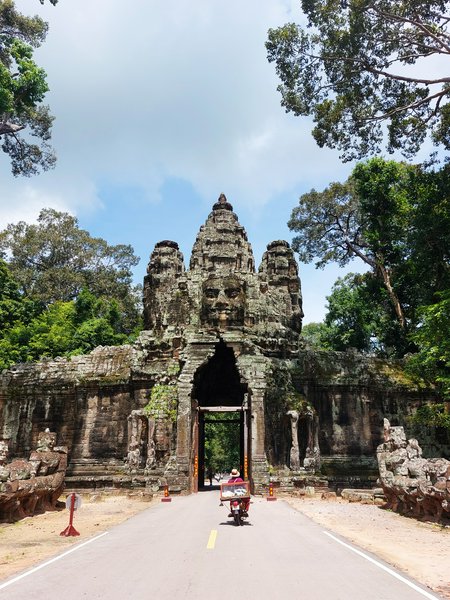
(212, 539)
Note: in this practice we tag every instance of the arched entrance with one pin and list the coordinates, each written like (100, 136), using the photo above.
(221, 397)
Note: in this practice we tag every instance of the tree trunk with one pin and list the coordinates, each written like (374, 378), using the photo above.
(393, 296)
(384, 272)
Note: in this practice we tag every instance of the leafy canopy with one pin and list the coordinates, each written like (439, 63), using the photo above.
(363, 217)
(364, 71)
(54, 259)
(25, 123)
(432, 362)
(395, 218)
(222, 443)
(29, 331)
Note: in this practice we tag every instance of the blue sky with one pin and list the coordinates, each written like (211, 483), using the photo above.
(162, 106)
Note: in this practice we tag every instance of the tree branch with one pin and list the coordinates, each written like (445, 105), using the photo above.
(10, 128)
(398, 109)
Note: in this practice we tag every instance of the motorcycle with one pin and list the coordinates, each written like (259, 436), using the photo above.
(238, 511)
(238, 495)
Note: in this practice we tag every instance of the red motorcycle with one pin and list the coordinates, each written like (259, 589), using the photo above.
(238, 511)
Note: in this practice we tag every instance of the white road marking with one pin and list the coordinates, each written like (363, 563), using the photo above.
(381, 566)
(49, 562)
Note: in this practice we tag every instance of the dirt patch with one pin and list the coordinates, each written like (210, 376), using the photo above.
(422, 550)
(34, 539)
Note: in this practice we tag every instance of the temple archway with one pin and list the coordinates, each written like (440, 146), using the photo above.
(221, 397)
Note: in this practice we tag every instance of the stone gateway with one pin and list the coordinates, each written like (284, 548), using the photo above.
(219, 336)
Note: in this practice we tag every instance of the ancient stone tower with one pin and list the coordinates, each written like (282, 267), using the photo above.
(218, 336)
(225, 319)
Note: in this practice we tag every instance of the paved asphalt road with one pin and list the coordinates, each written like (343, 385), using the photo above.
(189, 549)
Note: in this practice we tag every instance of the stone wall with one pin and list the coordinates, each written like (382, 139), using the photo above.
(88, 400)
(218, 322)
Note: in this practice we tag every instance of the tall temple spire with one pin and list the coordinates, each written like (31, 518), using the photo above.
(222, 245)
(222, 203)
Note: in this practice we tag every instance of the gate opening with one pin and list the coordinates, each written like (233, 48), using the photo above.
(221, 423)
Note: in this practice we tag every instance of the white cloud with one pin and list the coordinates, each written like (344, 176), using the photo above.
(175, 89)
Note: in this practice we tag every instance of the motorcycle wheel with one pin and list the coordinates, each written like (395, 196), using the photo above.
(237, 519)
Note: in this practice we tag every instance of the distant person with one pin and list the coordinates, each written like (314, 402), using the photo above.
(210, 475)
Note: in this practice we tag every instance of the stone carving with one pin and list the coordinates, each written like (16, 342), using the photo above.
(221, 290)
(294, 456)
(137, 435)
(412, 485)
(223, 302)
(149, 441)
(312, 455)
(215, 331)
(151, 449)
(34, 485)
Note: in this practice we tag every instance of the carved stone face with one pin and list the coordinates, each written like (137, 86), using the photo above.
(223, 301)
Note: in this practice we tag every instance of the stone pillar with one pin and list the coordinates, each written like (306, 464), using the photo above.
(253, 370)
(151, 451)
(312, 456)
(294, 461)
(4, 451)
(198, 351)
(184, 424)
(134, 456)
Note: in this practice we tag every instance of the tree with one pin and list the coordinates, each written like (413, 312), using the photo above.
(432, 362)
(363, 69)
(351, 316)
(14, 311)
(22, 90)
(314, 335)
(396, 219)
(360, 316)
(53, 260)
(222, 445)
(363, 217)
(63, 329)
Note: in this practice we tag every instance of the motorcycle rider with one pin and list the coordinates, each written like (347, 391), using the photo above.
(235, 477)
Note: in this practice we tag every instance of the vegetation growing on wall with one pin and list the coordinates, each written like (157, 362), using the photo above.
(432, 415)
(163, 402)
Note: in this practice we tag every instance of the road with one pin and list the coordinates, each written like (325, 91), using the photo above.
(188, 549)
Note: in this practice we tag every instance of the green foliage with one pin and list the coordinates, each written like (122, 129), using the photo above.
(314, 334)
(350, 320)
(351, 69)
(432, 415)
(14, 310)
(22, 90)
(222, 443)
(395, 218)
(30, 331)
(163, 402)
(53, 260)
(63, 292)
(432, 362)
(173, 368)
(281, 393)
(61, 329)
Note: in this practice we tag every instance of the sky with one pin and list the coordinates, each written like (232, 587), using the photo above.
(160, 106)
